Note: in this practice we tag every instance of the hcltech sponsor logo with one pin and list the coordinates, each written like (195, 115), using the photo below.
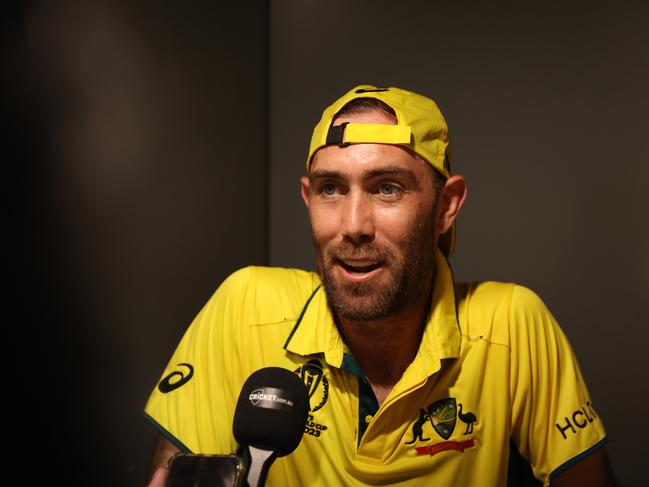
(271, 398)
(581, 418)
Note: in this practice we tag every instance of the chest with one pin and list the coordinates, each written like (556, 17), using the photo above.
(450, 425)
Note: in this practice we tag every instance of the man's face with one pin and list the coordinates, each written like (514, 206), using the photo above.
(372, 213)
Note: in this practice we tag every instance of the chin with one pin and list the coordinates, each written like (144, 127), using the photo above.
(363, 301)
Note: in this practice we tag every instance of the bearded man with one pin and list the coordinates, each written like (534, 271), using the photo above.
(401, 352)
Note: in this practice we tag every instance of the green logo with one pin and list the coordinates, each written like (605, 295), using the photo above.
(442, 415)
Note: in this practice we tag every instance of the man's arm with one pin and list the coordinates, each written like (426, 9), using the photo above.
(592, 471)
(162, 452)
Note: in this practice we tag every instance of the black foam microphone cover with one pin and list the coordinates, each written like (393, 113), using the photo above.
(272, 410)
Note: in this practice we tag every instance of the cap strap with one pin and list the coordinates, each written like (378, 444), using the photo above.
(336, 134)
(346, 133)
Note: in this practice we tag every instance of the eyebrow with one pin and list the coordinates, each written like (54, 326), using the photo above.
(391, 170)
(321, 174)
(382, 171)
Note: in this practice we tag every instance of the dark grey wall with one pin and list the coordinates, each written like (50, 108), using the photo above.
(139, 147)
(547, 108)
(137, 186)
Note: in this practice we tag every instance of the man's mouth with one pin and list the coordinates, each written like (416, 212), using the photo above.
(359, 267)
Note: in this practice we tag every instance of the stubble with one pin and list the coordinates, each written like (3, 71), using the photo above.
(409, 268)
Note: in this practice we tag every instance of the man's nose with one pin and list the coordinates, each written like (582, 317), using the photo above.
(358, 219)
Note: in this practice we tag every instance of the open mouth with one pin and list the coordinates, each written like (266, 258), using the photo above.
(359, 267)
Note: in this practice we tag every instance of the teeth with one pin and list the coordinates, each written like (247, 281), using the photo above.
(360, 268)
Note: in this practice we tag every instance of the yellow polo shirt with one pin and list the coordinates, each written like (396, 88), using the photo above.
(493, 373)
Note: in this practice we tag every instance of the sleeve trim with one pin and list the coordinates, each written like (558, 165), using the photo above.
(566, 465)
(179, 444)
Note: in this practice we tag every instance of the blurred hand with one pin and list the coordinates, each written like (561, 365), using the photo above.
(159, 477)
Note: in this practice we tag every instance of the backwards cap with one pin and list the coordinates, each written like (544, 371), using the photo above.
(420, 127)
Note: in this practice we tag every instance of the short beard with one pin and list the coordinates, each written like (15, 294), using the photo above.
(411, 274)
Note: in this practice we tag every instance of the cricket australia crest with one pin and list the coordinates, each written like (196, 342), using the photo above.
(442, 416)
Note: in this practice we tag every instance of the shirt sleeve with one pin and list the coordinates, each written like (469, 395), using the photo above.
(554, 422)
(193, 403)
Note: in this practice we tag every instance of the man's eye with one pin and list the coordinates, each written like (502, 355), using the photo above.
(387, 189)
(328, 189)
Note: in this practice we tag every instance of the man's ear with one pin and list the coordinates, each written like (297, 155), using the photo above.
(449, 203)
(305, 184)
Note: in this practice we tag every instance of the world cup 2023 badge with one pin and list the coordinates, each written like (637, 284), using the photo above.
(313, 376)
(316, 383)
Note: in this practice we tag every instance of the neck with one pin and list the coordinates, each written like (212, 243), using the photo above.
(385, 348)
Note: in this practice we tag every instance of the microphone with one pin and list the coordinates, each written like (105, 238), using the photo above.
(269, 419)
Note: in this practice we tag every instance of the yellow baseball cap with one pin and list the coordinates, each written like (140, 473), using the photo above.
(420, 128)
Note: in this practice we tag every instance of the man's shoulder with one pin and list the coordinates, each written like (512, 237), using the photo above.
(496, 310)
(492, 294)
(266, 293)
(261, 277)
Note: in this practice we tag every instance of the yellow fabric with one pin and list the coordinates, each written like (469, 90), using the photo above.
(430, 138)
(379, 133)
(506, 362)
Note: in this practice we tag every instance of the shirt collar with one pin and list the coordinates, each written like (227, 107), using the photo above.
(315, 331)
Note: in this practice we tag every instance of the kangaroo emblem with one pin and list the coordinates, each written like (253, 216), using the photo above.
(418, 428)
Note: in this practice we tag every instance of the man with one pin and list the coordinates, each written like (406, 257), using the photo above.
(414, 380)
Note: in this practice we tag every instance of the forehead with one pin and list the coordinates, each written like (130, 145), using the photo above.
(359, 158)
(367, 116)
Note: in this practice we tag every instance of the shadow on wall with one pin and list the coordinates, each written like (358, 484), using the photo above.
(128, 163)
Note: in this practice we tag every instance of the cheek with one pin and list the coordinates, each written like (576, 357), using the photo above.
(399, 226)
(396, 223)
(393, 229)
(324, 225)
